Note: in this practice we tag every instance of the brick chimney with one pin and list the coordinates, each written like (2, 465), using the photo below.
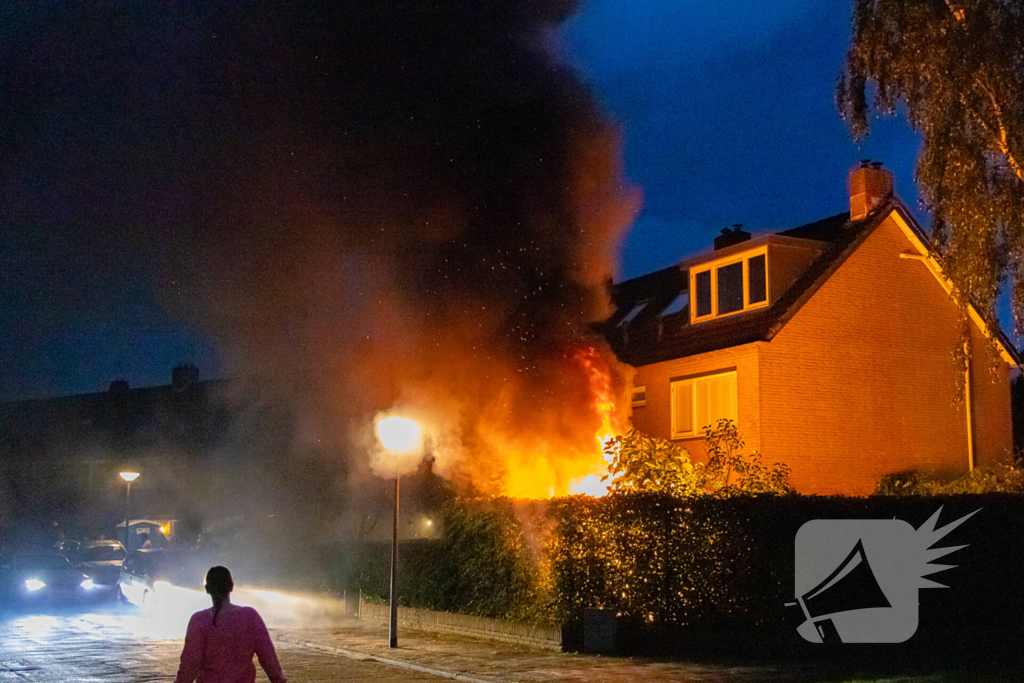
(731, 237)
(870, 187)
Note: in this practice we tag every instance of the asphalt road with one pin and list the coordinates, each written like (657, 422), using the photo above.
(119, 643)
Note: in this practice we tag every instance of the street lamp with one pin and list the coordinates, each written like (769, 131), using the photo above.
(128, 477)
(398, 435)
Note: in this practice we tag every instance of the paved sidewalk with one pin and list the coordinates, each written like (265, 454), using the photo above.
(477, 661)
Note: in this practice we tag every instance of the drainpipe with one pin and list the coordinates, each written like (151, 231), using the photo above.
(967, 406)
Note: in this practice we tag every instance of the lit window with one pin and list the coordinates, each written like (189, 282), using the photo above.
(730, 285)
(701, 402)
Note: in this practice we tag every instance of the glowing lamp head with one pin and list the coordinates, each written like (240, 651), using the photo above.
(399, 434)
(164, 530)
(129, 476)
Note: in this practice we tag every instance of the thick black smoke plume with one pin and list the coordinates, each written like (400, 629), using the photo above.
(402, 204)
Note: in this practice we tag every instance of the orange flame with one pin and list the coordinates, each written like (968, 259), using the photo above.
(604, 405)
(528, 439)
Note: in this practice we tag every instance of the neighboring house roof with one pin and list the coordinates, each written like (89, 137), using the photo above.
(649, 337)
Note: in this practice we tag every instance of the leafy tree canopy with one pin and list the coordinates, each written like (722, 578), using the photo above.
(957, 67)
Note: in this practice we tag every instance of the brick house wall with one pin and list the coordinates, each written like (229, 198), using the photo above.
(655, 418)
(860, 382)
(990, 403)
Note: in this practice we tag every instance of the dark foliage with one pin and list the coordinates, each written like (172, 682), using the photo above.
(483, 564)
(991, 479)
(726, 565)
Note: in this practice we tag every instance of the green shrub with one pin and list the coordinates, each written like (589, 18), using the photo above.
(645, 464)
(989, 479)
(483, 564)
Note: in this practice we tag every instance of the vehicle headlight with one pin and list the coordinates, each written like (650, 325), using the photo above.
(34, 584)
(88, 584)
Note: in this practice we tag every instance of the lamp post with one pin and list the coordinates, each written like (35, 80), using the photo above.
(128, 477)
(398, 435)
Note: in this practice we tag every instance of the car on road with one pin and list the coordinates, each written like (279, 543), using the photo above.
(102, 561)
(33, 577)
(68, 548)
(144, 570)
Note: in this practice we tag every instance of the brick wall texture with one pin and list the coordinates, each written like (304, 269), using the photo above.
(860, 383)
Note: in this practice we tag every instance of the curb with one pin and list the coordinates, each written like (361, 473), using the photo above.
(364, 657)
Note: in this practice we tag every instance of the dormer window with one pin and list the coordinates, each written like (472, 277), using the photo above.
(730, 285)
(633, 312)
(678, 304)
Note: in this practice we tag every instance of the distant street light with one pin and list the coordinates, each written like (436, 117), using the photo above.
(128, 477)
(398, 435)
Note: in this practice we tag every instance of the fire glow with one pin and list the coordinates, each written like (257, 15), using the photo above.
(562, 454)
(604, 406)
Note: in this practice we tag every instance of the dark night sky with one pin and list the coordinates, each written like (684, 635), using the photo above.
(727, 112)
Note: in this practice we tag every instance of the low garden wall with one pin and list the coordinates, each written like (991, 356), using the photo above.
(431, 621)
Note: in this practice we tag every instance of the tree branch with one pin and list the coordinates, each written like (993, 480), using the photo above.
(1000, 136)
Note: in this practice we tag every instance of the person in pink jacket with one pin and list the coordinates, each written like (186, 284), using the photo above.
(221, 641)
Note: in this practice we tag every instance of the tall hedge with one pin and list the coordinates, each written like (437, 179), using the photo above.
(655, 558)
(701, 564)
(483, 564)
(728, 563)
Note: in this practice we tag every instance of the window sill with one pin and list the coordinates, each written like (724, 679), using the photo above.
(748, 309)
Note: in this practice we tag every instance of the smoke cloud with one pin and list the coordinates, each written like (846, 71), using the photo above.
(400, 206)
(421, 217)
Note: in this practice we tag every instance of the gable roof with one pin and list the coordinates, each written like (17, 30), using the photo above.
(651, 338)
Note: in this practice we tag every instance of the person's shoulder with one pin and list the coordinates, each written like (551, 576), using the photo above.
(202, 616)
(250, 614)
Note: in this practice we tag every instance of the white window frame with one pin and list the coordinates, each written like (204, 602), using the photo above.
(697, 429)
(713, 266)
(638, 402)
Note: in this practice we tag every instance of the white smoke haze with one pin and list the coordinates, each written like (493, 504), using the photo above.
(168, 618)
